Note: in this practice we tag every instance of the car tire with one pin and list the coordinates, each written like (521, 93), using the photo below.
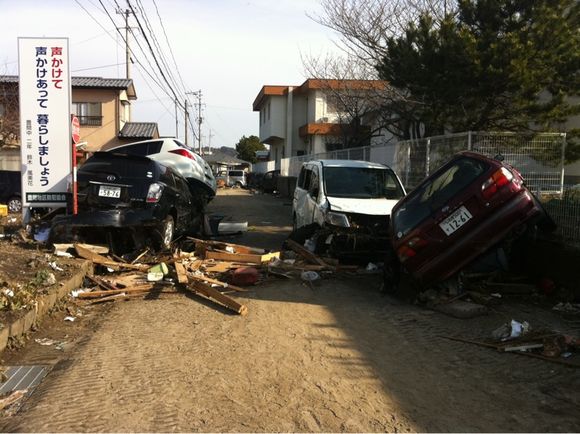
(14, 204)
(165, 233)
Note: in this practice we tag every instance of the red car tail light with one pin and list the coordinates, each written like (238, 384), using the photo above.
(410, 248)
(184, 153)
(500, 178)
(154, 193)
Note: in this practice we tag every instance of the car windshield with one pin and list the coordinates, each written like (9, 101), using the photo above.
(362, 183)
(436, 192)
(236, 173)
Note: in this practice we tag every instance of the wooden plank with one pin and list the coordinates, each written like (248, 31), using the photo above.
(222, 246)
(242, 257)
(214, 294)
(217, 282)
(306, 254)
(181, 273)
(98, 294)
(220, 267)
(97, 280)
(101, 260)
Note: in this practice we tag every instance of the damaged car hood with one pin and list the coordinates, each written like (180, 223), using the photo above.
(379, 206)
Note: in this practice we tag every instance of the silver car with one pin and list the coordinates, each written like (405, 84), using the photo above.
(173, 153)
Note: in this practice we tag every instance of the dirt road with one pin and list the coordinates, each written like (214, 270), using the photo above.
(336, 357)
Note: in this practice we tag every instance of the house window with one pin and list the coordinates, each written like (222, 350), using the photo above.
(89, 113)
(269, 103)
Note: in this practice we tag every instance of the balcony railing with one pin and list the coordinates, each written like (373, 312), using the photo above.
(91, 121)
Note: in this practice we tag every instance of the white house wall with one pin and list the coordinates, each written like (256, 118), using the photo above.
(275, 126)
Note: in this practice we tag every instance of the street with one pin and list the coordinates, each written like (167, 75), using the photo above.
(337, 356)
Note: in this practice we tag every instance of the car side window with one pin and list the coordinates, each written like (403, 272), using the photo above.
(138, 149)
(314, 186)
(304, 181)
(154, 147)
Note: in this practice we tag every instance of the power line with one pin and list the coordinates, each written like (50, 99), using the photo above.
(142, 69)
(157, 46)
(169, 45)
(151, 49)
(98, 67)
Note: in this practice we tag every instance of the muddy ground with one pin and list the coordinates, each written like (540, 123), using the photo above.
(339, 356)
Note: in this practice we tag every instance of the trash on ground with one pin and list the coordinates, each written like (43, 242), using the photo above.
(209, 268)
(546, 345)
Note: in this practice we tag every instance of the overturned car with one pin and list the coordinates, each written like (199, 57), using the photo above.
(466, 210)
(343, 206)
(128, 198)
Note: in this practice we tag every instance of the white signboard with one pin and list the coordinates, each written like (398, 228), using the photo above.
(45, 133)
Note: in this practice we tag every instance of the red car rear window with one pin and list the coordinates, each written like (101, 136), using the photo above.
(438, 190)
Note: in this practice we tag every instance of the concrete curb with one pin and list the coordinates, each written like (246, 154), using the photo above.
(43, 305)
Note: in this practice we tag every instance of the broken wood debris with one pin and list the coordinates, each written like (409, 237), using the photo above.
(211, 269)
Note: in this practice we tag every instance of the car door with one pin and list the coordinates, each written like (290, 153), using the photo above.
(312, 211)
(300, 196)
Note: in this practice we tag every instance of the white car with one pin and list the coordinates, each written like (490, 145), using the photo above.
(351, 201)
(173, 153)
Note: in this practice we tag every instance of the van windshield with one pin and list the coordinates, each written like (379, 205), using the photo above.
(236, 173)
(361, 183)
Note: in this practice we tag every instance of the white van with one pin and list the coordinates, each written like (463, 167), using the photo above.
(351, 199)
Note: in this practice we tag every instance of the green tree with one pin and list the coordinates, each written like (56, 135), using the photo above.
(247, 147)
(495, 64)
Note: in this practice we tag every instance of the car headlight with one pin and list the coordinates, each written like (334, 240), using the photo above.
(337, 219)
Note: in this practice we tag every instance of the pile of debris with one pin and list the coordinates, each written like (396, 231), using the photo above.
(517, 337)
(208, 268)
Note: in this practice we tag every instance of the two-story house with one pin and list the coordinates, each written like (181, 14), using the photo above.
(102, 105)
(317, 116)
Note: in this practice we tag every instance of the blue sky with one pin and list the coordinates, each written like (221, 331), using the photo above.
(229, 49)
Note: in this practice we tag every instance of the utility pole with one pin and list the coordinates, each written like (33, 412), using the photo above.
(186, 121)
(209, 136)
(127, 49)
(176, 121)
(199, 118)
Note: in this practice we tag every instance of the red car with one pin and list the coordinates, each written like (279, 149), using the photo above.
(458, 213)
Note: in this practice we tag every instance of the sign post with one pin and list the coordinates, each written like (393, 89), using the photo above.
(45, 123)
(76, 137)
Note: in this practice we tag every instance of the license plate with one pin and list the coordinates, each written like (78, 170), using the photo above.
(106, 191)
(455, 220)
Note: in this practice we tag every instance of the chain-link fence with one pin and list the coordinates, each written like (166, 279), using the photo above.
(538, 157)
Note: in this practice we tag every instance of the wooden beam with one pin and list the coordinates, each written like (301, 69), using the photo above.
(97, 294)
(242, 257)
(101, 260)
(307, 254)
(214, 294)
(217, 282)
(222, 246)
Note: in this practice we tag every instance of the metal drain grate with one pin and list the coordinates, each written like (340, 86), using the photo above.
(23, 377)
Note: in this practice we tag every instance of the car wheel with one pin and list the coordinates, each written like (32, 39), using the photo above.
(14, 204)
(166, 231)
(239, 185)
